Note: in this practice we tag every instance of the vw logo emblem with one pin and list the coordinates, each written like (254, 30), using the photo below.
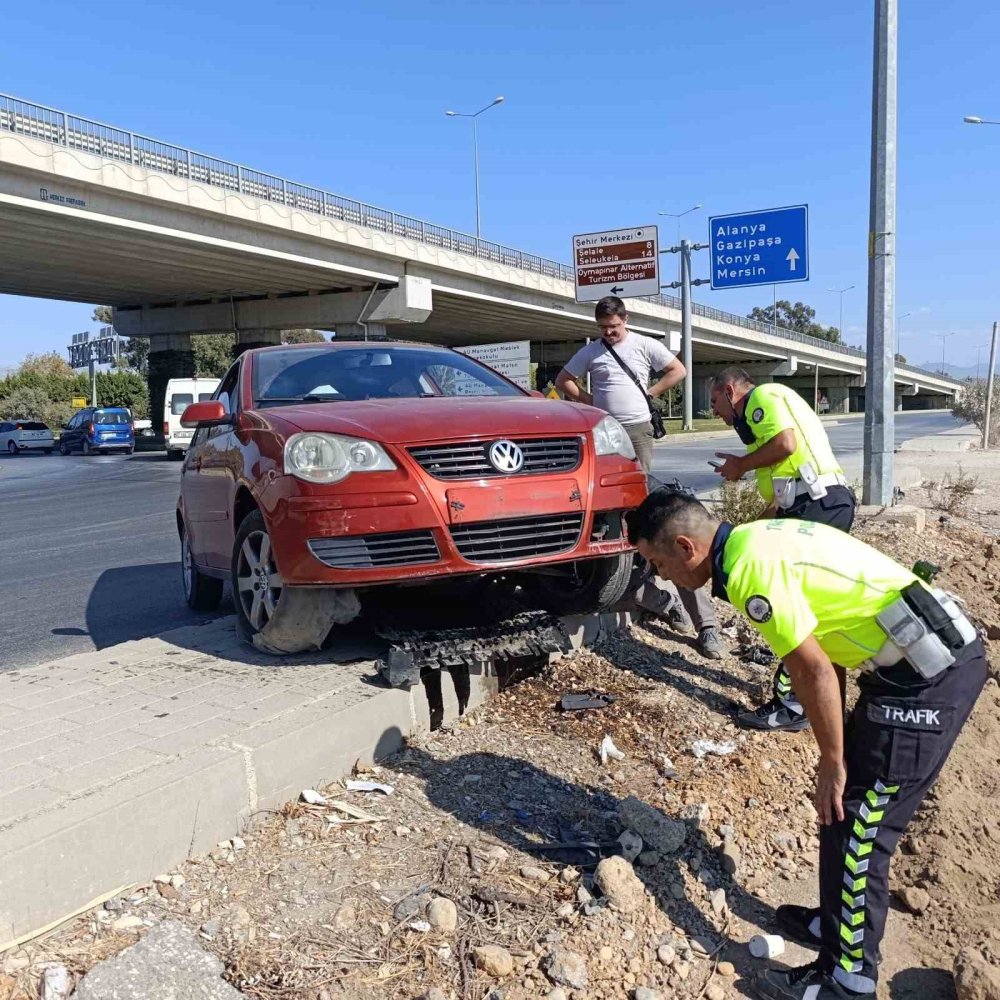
(506, 457)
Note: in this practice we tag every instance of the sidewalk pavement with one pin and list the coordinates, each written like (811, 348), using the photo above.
(116, 765)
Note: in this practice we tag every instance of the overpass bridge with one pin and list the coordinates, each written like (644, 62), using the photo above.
(182, 243)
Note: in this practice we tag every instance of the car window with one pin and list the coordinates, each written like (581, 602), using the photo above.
(383, 372)
(33, 425)
(180, 401)
(4, 428)
(227, 394)
(75, 421)
(111, 417)
(204, 397)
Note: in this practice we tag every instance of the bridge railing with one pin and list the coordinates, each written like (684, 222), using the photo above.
(73, 132)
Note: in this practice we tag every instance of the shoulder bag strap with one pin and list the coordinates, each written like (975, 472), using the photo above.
(631, 374)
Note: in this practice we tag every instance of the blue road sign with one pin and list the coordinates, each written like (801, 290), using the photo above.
(760, 248)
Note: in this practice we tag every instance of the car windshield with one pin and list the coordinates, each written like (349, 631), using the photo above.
(383, 372)
(111, 417)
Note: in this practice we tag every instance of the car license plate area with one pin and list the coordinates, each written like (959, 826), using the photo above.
(514, 498)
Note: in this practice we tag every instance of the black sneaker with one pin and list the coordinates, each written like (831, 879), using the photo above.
(775, 716)
(814, 981)
(801, 924)
(676, 618)
(798, 922)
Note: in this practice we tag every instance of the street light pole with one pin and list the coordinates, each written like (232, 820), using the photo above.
(989, 388)
(840, 292)
(899, 319)
(475, 147)
(678, 216)
(944, 340)
(880, 388)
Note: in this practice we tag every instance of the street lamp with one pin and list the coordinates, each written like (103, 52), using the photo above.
(899, 320)
(840, 292)
(944, 340)
(475, 145)
(678, 216)
(976, 120)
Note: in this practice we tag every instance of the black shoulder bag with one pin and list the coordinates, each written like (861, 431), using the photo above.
(655, 417)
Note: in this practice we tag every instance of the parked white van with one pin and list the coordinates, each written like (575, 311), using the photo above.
(181, 393)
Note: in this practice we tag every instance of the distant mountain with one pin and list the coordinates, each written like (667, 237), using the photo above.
(955, 371)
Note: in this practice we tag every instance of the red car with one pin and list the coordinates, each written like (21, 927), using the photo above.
(319, 471)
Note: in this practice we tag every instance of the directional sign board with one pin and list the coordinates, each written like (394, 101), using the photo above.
(512, 359)
(622, 262)
(760, 248)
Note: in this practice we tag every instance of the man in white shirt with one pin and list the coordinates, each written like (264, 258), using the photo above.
(616, 392)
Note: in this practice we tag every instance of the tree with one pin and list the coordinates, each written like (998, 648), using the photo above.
(302, 337)
(44, 366)
(799, 318)
(213, 354)
(971, 406)
(135, 355)
(103, 315)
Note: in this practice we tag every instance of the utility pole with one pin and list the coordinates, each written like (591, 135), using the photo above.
(685, 284)
(880, 389)
(989, 388)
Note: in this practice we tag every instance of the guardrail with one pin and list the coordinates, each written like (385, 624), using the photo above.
(87, 135)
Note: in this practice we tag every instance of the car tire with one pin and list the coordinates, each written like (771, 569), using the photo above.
(12, 447)
(202, 593)
(63, 448)
(47, 451)
(87, 449)
(587, 586)
(174, 455)
(128, 451)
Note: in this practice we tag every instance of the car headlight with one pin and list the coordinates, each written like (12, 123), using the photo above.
(329, 458)
(610, 438)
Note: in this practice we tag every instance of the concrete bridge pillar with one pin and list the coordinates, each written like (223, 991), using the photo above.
(840, 399)
(246, 340)
(700, 397)
(170, 356)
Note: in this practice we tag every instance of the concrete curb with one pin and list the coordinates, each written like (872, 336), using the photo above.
(118, 764)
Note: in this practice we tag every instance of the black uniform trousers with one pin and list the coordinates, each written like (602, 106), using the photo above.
(896, 741)
(836, 509)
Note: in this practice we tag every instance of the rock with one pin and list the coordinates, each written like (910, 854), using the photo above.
(677, 890)
(683, 969)
(566, 968)
(435, 994)
(239, 918)
(727, 969)
(702, 945)
(645, 993)
(975, 978)
(177, 881)
(557, 994)
(785, 841)
(618, 881)
(993, 631)
(566, 911)
(56, 984)
(345, 918)
(167, 891)
(729, 858)
(238, 844)
(15, 963)
(210, 929)
(809, 811)
(533, 874)
(698, 813)
(129, 922)
(569, 875)
(411, 908)
(583, 895)
(715, 992)
(606, 953)
(493, 960)
(631, 845)
(912, 845)
(496, 853)
(113, 905)
(649, 859)
(914, 899)
(718, 900)
(914, 519)
(167, 962)
(665, 954)
(442, 915)
(659, 832)
(160, 879)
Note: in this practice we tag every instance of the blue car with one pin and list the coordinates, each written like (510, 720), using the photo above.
(104, 428)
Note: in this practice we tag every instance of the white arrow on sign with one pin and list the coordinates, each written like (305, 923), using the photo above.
(792, 258)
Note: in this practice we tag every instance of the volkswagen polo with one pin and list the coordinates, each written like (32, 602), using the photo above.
(320, 471)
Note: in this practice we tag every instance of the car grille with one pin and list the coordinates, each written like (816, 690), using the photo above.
(467, 459)
(402, 548)
(517, 538)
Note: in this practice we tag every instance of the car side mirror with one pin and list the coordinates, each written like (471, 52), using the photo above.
(209, 414)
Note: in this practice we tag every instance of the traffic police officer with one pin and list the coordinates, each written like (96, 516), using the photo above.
(821, 598)
(797, 474)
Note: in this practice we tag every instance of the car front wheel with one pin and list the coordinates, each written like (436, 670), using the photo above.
(202, 593)
(584, 587)
(63, 448)
(12, 447)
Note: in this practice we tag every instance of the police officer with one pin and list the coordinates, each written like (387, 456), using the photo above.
(797, 474)
(829, 606)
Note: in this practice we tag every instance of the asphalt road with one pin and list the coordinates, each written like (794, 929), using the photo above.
(90, 550)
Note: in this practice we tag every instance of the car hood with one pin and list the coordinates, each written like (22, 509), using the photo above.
(404, 421)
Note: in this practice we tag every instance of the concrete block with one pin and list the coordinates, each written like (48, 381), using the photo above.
(104, 770)
(912, 518)
(57, 859)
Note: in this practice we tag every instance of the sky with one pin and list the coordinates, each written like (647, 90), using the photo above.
(612, 114)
